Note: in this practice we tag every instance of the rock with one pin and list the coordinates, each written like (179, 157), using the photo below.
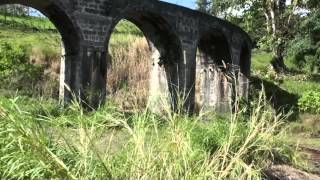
(284, 172)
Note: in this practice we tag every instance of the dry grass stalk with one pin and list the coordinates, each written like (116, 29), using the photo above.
(129, 73)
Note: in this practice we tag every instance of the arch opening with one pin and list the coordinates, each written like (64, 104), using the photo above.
(214, 64)
(161, 52)
(45, 40)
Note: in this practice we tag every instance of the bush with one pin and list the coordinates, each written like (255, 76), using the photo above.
(265, 43)
(310, 102)
(15, 70)
(304, 54)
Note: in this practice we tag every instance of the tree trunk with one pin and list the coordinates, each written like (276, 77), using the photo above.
(276, 10)
(277, 61)
(5, 13)
(267, 22)
(274, 26)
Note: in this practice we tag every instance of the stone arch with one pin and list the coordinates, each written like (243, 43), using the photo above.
(58, 16)
(214, 67)
(68, 30)
(158, 32)
(213, 47)
(166, 54)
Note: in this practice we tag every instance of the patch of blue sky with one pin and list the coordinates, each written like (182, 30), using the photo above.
(186, 3)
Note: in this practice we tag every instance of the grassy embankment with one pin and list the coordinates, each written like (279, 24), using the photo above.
(285, 91)
(38, 139)
(31, 31)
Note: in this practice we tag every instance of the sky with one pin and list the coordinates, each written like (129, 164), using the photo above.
(186, 3)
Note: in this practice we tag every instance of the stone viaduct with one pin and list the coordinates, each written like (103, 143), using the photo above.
(177, 35)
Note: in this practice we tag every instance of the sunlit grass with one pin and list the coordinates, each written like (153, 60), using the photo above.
(260, 60)
(41, 23)
(40, 140)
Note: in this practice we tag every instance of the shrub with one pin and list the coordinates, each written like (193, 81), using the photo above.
(31, 77)
(15, 70)
(304, 54)
(310, 102)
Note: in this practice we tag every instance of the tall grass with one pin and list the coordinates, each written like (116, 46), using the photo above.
(111, 145)
(39, 140)
(129, 71)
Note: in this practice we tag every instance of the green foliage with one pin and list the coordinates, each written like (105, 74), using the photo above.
(14, 66)
(304, 54)
(221, 8)
(265, 42)
(260, 61)
(313, 3)
(310, 102)
(203, 6)
(125, 28)
(304, 49)
(26, 22)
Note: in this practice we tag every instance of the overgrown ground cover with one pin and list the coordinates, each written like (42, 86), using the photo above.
(39, 139)
(26, 22)
(296, 92)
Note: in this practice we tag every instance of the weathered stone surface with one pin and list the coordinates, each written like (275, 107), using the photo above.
(176, 32)
(288, 173)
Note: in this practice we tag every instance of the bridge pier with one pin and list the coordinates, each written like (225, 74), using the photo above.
(172, 84)
(82, 77)
(93, 69)
(215, 72)
(214, 85)
(159, 95)
(70, 76)
(182, 81)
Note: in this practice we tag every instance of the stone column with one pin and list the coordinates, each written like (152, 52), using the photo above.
(70, 76)
(244, 83)
(63, 75)
(94, 67)
(182, 80)
(241, 68)
(83, 76)
(235, 54)
(215, 86)
(159, 96)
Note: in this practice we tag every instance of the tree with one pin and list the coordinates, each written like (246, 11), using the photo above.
(15, 9)
(223, 8)
(203, 6)
(278, 19)
(304, 49)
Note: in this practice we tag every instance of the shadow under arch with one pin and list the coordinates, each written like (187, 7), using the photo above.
(166, 51)
(214, 67)
(244, 71)
(245, 60)
(70, 39)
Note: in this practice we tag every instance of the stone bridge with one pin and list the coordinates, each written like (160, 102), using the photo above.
(183, 41)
